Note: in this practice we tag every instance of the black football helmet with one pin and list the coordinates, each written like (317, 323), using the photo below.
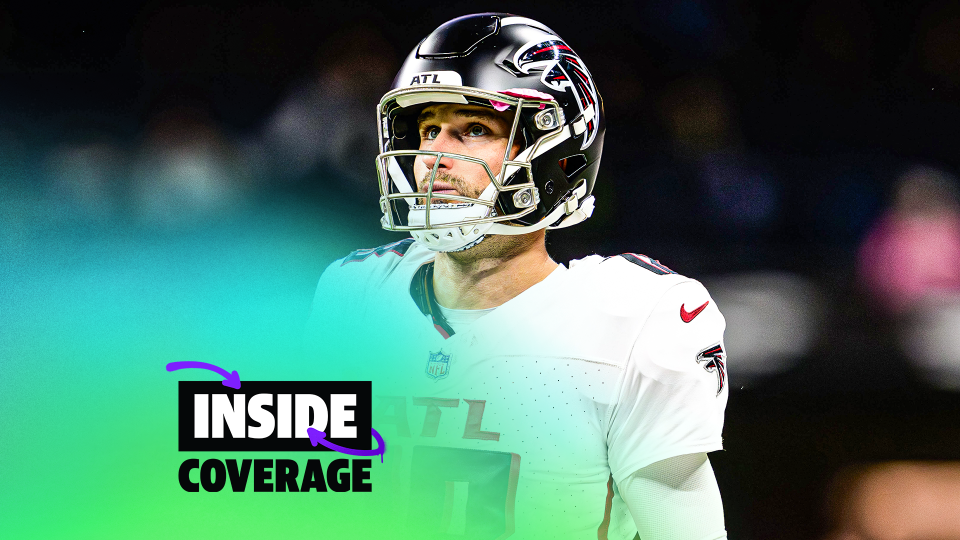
(503, 62)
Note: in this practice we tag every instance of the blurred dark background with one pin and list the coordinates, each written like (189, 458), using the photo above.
(798, 157)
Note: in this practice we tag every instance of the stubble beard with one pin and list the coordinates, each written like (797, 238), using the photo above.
(493, 245)
(458, 183)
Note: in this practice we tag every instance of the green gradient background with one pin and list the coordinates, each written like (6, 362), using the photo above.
(89, 415)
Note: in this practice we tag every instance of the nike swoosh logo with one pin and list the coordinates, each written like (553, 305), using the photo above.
(687, 316)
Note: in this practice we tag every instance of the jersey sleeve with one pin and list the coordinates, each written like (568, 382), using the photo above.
(677, 497)
(347, 298)
(673, 390)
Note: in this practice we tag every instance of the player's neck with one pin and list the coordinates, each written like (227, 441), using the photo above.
(493, 275)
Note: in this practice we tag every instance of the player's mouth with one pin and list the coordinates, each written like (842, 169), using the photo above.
(442, 188)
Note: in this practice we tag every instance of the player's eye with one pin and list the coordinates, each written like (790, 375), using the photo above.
(429, 133)
(477, 130)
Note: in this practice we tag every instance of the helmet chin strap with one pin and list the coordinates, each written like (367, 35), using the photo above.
(574, 210)
(454, 237)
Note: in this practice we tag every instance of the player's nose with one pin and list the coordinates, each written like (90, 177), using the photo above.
(443, 143)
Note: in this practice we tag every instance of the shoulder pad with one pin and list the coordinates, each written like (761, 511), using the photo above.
(645, 262)
(399, 248)
(626, 285)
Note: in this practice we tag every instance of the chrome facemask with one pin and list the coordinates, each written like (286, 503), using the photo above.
(460, 222)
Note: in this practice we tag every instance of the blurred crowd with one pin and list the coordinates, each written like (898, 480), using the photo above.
(812, 187)
(184, 167)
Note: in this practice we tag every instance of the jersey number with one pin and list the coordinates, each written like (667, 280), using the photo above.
(463, 494)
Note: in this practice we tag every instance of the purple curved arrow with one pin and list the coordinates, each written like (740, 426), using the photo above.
(319, 437)
(231, 379)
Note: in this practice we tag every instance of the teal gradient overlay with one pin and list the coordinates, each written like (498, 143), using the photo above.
(89, 429)
(89, 423)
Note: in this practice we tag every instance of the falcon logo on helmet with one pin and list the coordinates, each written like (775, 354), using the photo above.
(562, 69)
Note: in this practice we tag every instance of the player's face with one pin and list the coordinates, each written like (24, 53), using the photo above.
(470, 130)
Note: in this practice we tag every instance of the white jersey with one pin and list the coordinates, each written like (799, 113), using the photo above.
(514, 425)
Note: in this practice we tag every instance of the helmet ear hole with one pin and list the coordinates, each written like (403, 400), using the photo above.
(571, 165)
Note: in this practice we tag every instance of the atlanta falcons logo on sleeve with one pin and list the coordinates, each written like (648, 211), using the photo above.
(562, 69)
(713, 356)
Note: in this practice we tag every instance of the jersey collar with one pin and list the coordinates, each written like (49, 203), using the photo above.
(421, 290)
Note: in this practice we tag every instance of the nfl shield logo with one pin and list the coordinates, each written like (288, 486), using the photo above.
(438, 365)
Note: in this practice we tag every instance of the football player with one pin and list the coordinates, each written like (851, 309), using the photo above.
(524, 398)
